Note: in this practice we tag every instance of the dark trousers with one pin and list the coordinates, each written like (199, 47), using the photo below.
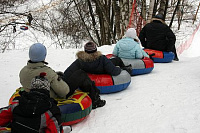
(117, 62)
(79, 79)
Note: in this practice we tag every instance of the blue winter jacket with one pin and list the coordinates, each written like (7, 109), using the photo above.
(129, 49)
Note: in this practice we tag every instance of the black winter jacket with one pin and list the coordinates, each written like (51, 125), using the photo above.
(158, 36)
(94, 63)
(36, 112)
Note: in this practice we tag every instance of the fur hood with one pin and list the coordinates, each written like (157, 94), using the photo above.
(82, 55)
(158, 20)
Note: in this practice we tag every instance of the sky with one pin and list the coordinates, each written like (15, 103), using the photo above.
(167, 100)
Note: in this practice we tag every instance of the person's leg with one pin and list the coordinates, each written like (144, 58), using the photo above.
(174, 51)
(79, 79)
(117, 61)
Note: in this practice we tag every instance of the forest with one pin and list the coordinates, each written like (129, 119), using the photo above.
(69, 22)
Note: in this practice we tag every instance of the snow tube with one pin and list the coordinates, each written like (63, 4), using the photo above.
(73, 110)
(139, 66)
(5, 130)
(109, 84)
(160, 56)
(24, 27)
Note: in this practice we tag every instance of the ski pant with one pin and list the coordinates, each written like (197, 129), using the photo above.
(117, 62)
(79, 79)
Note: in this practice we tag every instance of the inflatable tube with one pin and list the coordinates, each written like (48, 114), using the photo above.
(73, 110)
(160, 56)
(24, 27)
(109, 84)
(139, 66)
(5, 130)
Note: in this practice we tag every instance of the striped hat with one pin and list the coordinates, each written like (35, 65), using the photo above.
(90, 47)
(40, 82)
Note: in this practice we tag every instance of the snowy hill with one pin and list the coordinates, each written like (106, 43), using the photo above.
(167, 100)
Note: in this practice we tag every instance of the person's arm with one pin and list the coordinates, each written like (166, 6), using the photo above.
(110, 68)
(171, 40)
(6, 116)
(53, 122)
(142, 37)
(116, 50)
(138, 52)
(58, 85)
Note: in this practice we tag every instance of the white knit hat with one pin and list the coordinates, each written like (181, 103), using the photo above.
(131, 32)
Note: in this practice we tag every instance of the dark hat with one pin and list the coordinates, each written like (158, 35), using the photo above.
(159, 16)
(90, 47)
(40, 82)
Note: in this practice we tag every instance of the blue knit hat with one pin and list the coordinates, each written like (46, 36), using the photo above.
(37, 52)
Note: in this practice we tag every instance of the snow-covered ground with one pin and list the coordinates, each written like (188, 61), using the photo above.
(167, 100)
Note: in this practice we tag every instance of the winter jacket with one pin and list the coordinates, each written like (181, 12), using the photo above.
(59, 88)
(94, 63)
(32, 112)
(129, 49)
(158, 36)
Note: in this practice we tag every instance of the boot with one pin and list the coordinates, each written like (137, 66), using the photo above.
(176, 58)
(128, 69)
(98, 102)
(94, 95)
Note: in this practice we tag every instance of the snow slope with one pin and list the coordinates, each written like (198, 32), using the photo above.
(167, 100)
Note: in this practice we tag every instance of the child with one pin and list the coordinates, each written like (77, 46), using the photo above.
(33, 111)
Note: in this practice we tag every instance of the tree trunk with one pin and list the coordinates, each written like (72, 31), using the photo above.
(174, 13)
(124, 6)
(143, 10)
(116, 10)
(161, 9)
(150, 11)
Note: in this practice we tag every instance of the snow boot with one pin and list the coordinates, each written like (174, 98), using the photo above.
(94, 95)
(176, 59)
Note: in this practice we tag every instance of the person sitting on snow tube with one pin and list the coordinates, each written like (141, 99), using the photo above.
(92, 61)
(33, 111)
(157, 35)
(129, 47)
(59, 88)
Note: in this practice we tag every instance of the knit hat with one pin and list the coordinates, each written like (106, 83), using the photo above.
(40, 82)
(159, 16)
(131, 32)
(90, 47)
(37, 52)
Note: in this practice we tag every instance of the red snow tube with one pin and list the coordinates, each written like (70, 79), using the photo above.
(109, 84)
(73, 110)
(160, 56)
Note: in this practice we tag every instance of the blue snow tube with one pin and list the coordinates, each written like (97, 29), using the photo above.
(160, 56)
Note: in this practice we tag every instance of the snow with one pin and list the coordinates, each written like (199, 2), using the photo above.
(167, 100)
